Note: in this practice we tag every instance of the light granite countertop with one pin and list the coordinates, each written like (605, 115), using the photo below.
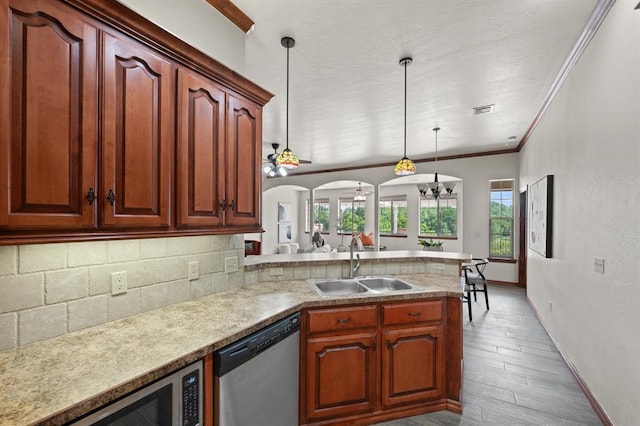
(56, 380)
(383, 256)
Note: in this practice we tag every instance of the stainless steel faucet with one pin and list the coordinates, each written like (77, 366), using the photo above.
(353, 270)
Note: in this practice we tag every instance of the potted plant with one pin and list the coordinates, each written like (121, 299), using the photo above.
(430, 245)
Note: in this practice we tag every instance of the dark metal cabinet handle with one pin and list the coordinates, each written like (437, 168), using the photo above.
(233, 205)
(91, 196)
(389, 345)
(223, 204)
(415, 314)
(111, 197)
(374, 346)
(344, 321)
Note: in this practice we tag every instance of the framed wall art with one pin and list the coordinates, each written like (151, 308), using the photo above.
(541, 216)
(284, 212)
(284, 232)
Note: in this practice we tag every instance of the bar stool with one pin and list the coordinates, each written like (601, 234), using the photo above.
(475, 282)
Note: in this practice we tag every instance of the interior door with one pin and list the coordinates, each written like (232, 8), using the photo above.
(522, 252)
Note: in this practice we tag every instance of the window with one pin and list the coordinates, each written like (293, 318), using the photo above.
(501, 219)
(438, 218)
(393, 215)
(321, 216)
(352, 215)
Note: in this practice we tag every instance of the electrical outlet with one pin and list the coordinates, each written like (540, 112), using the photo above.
(230, 264)
(194, 270)
(598, 265)
(118, 282)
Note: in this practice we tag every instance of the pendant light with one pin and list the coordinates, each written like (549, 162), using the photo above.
(405, 167)
(438, 189)
(287, 158)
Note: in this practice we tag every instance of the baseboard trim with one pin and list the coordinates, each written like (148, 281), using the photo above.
(583, 386)
(503, 283)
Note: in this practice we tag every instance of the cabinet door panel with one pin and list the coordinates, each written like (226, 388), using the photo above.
(243, 184)
(200, 151)
(412, 365)
(48, 119)
(137, 136)
(341, 375)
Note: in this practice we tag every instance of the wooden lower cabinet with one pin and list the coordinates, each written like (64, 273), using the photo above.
(412, 365)
(377, 362)
(342, 375)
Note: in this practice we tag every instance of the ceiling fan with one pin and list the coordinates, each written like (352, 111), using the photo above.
(359, 194)
(269, 166)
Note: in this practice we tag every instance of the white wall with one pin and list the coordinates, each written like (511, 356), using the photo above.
(199, 24)
(475, 173)
(589, 140)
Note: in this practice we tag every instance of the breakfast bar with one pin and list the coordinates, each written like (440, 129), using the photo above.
(61, 379)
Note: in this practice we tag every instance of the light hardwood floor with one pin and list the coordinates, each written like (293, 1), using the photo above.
(513, 373)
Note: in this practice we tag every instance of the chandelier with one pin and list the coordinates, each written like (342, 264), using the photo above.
(437, 189)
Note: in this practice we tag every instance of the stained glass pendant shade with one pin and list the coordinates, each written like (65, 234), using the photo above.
(405, 166)
(287, 158)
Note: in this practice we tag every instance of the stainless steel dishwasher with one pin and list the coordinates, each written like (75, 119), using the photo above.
(257, 377)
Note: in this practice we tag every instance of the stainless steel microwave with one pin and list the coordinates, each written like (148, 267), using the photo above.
(175, 400)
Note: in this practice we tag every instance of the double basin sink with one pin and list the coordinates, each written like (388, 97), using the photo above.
(360, 285)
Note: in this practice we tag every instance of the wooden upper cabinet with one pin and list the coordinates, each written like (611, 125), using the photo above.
(102, 137)
(200, 151)
(48, 116)
(243, 156)
(137, 132)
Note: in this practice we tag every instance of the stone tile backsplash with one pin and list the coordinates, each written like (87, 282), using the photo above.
(47, 290)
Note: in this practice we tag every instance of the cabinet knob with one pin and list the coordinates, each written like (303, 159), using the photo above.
(415, 314)
(344, 321)
(233, 205)
(111, 197)
(374, 346)
(223, 204)
(389, 345)
(91, 196)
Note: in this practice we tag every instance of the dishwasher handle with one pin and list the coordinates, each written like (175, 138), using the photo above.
(236, 354)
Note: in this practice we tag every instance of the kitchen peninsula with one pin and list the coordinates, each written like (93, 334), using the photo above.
(57, 380)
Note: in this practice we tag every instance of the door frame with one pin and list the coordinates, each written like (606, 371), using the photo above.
(522, 250)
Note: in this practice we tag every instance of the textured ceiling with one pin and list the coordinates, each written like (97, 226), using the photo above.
(346, 105)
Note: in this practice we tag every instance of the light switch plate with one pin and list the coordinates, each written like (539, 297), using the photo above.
(194, 270)
(230, 264)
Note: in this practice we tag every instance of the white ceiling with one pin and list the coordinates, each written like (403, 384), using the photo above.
(346, 105)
